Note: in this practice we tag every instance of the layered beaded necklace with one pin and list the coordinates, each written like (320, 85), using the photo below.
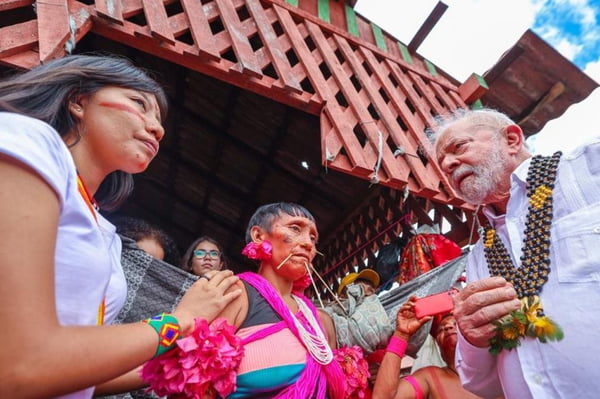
(315, 342)
(529, 279)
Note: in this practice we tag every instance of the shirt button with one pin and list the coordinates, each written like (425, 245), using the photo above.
(597, 230)
(537, 379)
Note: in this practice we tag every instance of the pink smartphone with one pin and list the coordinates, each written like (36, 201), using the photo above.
(434, 304)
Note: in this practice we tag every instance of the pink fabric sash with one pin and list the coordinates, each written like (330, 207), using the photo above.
(316, 380)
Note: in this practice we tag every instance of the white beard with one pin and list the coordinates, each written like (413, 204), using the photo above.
(485, 178)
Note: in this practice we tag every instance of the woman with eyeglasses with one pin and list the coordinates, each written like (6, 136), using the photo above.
(205, 254)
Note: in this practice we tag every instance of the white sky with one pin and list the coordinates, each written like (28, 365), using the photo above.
(473, 34)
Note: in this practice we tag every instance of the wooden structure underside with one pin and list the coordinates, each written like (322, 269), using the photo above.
(272, 100)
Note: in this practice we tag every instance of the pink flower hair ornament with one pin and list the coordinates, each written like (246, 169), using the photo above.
(262, 251)
(205, 360)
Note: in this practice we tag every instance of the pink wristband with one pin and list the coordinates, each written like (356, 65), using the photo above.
(397, 346)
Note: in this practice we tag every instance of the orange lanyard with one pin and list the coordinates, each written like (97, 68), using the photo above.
(92, 206)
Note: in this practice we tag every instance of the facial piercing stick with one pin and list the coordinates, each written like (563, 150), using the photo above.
(285, 260)
(335, 297)
(314, 284)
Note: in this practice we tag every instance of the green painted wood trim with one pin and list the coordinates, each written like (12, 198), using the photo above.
(292, 2)
(481, 81)
(431, 68)
(323, 10)
(477, 104)
(351, 24)
(378, 34)
(405, 53)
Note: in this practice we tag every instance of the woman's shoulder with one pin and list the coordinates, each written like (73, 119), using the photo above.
(12, 121)
(37, 145)
(21, 129)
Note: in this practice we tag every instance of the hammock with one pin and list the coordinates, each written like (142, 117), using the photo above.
(438, 279)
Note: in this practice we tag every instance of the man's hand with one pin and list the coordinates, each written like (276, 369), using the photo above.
(480, 303)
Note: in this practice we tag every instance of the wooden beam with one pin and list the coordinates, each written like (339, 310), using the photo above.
(427, 26)
(18, 38)
(556, 90)
(12, 4)
(158, 22)
(273, 48)
(200, 29)
(507, 59)
(111, 10)
(473, 89)
(240, 44)
(53, 28)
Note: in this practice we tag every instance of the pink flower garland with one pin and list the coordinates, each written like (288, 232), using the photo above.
(262, 251)
(205, 360)
(356, 370)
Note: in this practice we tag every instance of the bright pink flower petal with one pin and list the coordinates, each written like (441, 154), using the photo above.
(208, 358)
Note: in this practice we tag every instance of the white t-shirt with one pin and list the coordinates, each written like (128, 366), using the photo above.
(87, 250)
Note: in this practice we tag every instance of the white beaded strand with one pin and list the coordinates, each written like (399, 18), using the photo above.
(315, 343)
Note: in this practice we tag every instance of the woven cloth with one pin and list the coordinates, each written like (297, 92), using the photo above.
(436, 280)
(153, 287)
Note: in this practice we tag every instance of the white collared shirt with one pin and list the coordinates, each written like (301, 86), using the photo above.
(571, 296)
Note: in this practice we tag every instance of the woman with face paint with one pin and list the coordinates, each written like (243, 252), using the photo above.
(72, 132)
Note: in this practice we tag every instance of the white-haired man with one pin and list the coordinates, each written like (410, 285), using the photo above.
(538, 248)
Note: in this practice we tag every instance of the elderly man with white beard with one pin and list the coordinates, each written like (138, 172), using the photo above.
(529, 315)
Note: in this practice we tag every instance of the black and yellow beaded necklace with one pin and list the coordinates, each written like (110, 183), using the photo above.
(529, 279)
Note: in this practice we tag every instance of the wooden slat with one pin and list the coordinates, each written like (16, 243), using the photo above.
(110, 9)
(415, 125)
(381, 108)
(410, 160)
(427, 26)
(24, 60)
(353, 148)
(447, 101)
(378, 35)
(430, 67)
(424, 112)
(323, 10)
(18, 38)
(241, 46)
(276, 53)
(12, 4)
(200, 29)
(473, 88)
(405, 53)
(157, 19)
(371, 129)
(428, 93)
(53, 28)
(351, 21)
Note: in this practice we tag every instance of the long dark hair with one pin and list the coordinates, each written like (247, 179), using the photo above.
(188, 257)
(45, 92)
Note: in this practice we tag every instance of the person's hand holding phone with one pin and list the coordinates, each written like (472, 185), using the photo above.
(407, 322)
(432, 305)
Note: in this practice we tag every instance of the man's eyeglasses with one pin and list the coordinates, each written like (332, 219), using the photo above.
(201, 253)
